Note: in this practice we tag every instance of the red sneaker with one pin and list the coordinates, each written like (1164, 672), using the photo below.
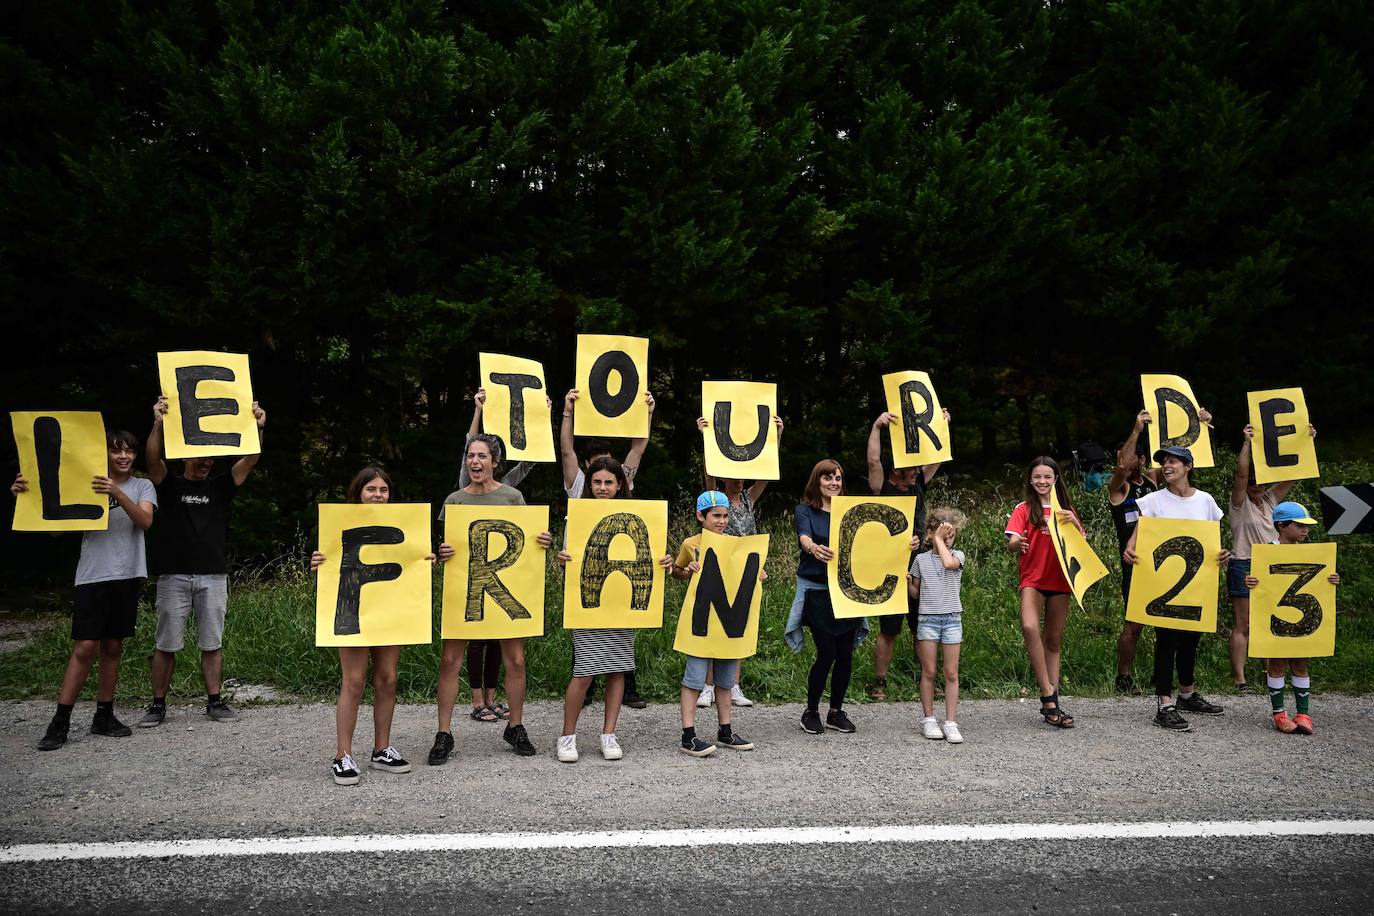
(1283, 723)
(1303, 722)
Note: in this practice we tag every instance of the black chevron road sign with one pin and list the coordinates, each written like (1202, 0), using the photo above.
(1348, 510)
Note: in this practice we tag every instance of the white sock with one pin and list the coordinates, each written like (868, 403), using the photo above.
(1276, 683)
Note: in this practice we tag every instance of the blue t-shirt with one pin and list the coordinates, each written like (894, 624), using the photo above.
(815, 524)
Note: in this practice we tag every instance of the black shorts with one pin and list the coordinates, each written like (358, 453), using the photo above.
(106, 610)
(891, 624)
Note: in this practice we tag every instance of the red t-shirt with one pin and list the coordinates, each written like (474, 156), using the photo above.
(1039, 566)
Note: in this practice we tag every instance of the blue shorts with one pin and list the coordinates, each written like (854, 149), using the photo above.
(942, 628)
(694, 675)
(1236, 571)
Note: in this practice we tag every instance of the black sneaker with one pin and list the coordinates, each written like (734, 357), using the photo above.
(698, 748)
(735, 743)
(1126, 686)
(55, 736)
(389, 761)
(443, 746)
(220, 711)
(345, 771)
(1168, 717)
(1196, 703)
(837, 720)
(811, 722)
(109, 726)
(515, 736)
(634, 701)
(155, 716)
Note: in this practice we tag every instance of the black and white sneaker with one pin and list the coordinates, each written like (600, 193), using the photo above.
(811, 722)
(1168, 717)
(519, 741)
(345, 771)
(837, 720)
(389, 761)
(698, 748)
(1196, 703)
(735, 743)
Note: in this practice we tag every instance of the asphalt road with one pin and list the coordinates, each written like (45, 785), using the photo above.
(266, 776)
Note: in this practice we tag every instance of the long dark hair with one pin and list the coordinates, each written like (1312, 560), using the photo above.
(1033, 508)
(362, 479)
(606, 463)
(812, 494)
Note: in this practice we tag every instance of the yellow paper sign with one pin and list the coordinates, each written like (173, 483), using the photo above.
(720, 613)
(209, 404)
(921, 434)
(740, 439)
(516, 408)
(60, 452)
(612, 379)
(1174, 583)
(374, 584)
(494, 584)
(1283, 447)
(614, 579)
(1077, 560)
(871, 537)
(1293, 609)
(1175, 412)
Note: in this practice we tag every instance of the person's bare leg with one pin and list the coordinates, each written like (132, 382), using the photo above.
(1240, 638)
(164, 665)
(1031, 605)
(384, 661)
(211, 669)
(925, 653)
(883, 649)
(513, 657)
(573, 698)
(1125, 647)
(1056, 617)
(353, 678)
(84, 654)
(615, 696)
(111, 653)
(450, 665)
(951, 653)
(688, 703)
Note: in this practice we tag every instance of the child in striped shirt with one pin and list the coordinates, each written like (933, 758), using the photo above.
(934, 580)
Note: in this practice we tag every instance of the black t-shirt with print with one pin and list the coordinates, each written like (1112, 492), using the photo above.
(190, 532)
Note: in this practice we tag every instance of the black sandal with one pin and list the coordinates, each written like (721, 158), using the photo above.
(1055, 715)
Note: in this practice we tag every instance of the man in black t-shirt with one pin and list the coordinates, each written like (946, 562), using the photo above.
(885, 480)
(188, 554)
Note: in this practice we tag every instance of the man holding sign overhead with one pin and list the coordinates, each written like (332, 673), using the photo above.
(189, 556)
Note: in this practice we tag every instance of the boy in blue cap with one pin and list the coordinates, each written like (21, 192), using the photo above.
(1292, 521)
(713, 511)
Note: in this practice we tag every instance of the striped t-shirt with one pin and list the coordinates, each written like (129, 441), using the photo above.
(939, 586)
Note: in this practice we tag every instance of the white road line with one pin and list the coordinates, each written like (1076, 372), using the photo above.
(616, 839)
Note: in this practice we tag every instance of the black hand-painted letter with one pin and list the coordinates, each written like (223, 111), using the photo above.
(517, 382)
(711, 593)
(354, 573)
(597, 565)
(1271, 432)
(1190, 549)
(482, 570)
(194, 409)
(1295, 597)
(1165, 396)
(1075, 567)
(720, 423)
(607, 404)
(913, 423)
(890, 518)
(47, 446)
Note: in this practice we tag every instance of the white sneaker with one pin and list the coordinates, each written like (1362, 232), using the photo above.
(952, 734)
(610, 748)
(737, 697)
(567, 748)
(707, 697)
(931, 729)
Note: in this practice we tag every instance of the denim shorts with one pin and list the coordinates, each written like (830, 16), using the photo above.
(694, 675)
(942, 628)
(1236, 571)
(178, 597)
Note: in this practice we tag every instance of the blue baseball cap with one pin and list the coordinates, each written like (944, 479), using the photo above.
(1292, 512)
(711, 499)
(1176, 451)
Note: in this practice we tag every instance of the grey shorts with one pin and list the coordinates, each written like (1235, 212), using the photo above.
(694, 675)
(177, 596)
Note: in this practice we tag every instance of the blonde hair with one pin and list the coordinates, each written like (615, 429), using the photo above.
(942, 515)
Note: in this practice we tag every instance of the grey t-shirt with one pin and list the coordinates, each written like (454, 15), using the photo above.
(501, 496)
(513, 477)
(118, 551)
(939, 586)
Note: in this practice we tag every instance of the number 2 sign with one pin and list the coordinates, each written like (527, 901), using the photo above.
(1174, 584)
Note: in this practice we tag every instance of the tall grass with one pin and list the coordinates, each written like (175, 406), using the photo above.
(270, 637)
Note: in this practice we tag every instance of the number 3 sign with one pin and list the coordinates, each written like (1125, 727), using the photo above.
(1293, 609)
(1174, 584)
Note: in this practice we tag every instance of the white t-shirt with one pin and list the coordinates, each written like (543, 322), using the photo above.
(580, 481)
(1164, 504)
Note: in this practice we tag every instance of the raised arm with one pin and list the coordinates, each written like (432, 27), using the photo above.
(479, 400)
(1116, 487)
(1281, 489)
(875, 452)
(1242, 478)
(244, 466)
(928, 471)
(152, 450)
(637, 446)
(756, 489)
(567, 451)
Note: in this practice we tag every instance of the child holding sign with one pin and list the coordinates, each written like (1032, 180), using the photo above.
(1042, 586)
(713, 511)
(935, 578)
(1292, 522)
(109, 580)
(599, 651)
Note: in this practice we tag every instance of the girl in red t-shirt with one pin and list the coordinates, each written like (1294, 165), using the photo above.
(1042, 585)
